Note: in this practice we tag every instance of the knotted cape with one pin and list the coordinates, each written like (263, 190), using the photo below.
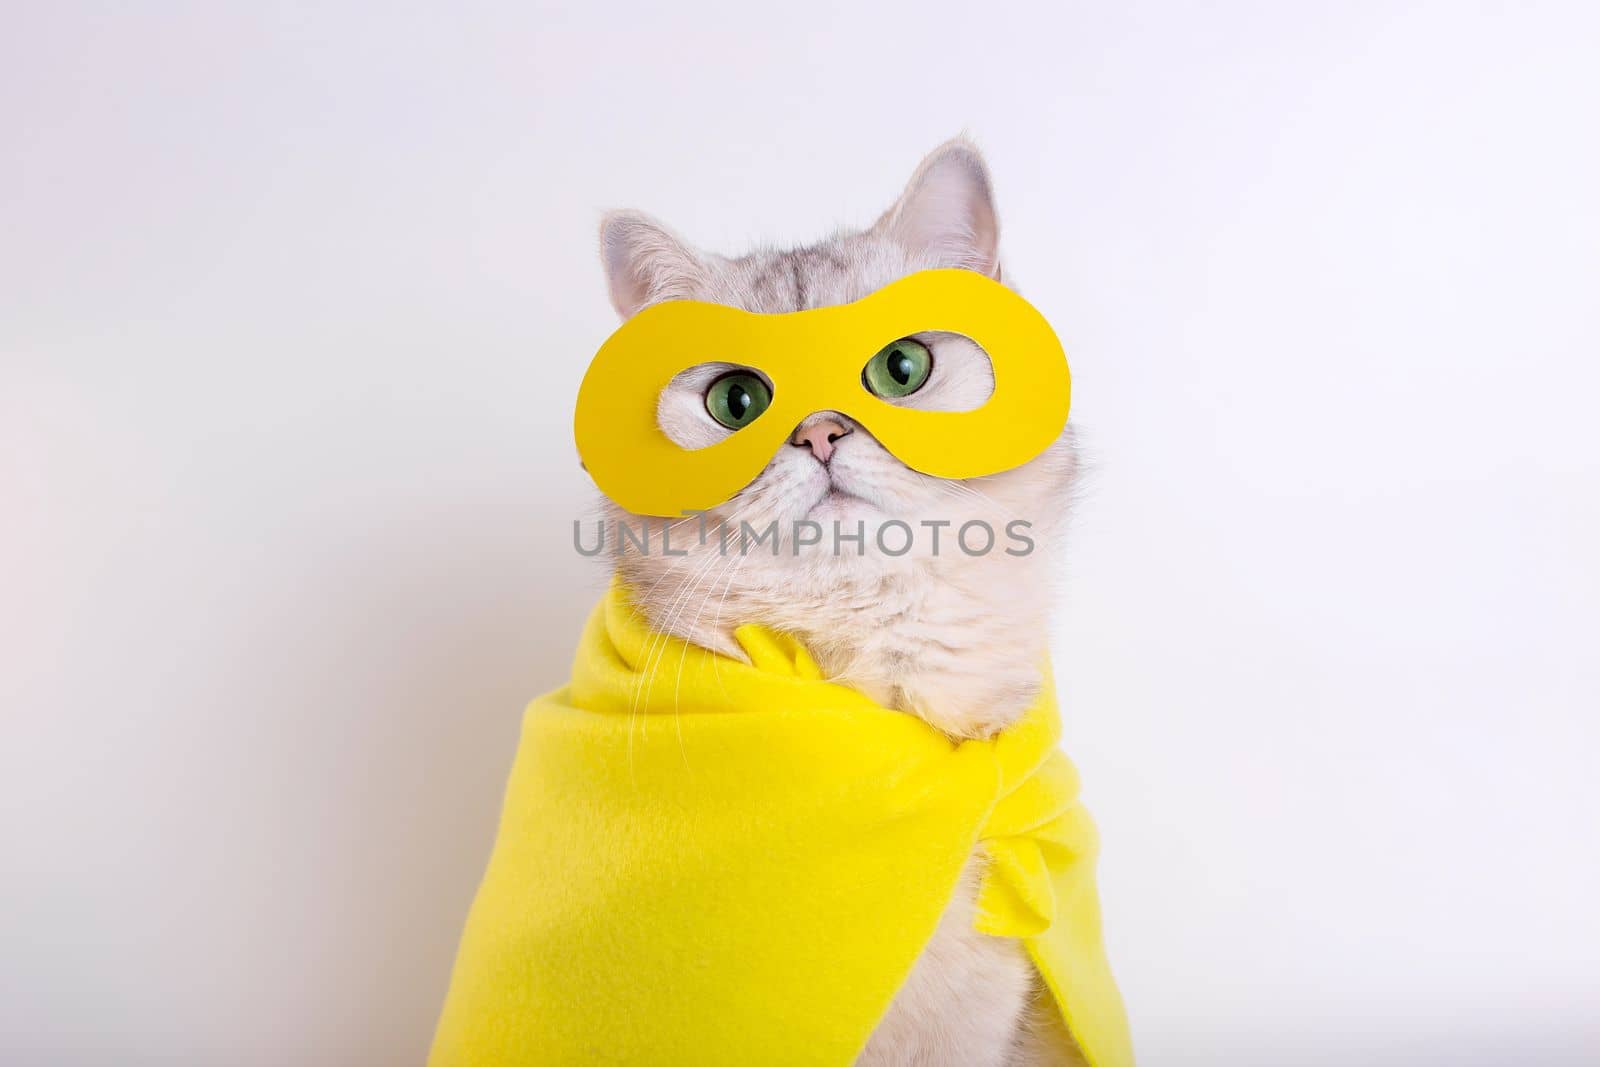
(703, 861)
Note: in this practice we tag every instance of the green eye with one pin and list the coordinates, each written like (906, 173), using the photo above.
(899, 370)
(738, 399)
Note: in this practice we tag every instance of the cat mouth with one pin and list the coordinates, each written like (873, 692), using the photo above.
(836, 499)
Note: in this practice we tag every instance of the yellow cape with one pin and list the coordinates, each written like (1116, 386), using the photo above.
(703, 862)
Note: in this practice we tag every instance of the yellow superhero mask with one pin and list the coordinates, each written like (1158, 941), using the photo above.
(818, 361)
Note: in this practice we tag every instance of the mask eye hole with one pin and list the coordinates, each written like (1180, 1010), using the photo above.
(737, 399)
(899, 369)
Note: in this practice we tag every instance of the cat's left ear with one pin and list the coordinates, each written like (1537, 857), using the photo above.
(645, 262)
(946, 213)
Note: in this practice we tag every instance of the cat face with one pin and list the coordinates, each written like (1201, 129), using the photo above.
(931, 371)
(831, 477)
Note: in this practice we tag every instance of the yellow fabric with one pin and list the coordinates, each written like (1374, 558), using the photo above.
(814, 361)
(707, 862)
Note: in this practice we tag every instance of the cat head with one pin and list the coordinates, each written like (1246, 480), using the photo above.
(831, 476)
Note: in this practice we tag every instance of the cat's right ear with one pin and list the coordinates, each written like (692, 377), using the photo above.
(946, 215)
(645, 262)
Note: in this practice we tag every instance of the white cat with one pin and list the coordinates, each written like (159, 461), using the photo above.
(951, 637)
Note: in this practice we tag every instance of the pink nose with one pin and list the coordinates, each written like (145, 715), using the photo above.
(820, 436)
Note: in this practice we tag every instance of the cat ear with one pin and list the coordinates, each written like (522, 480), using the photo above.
(645, 262)
(947, 212)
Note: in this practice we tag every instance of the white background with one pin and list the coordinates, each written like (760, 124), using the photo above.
(294, 300)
